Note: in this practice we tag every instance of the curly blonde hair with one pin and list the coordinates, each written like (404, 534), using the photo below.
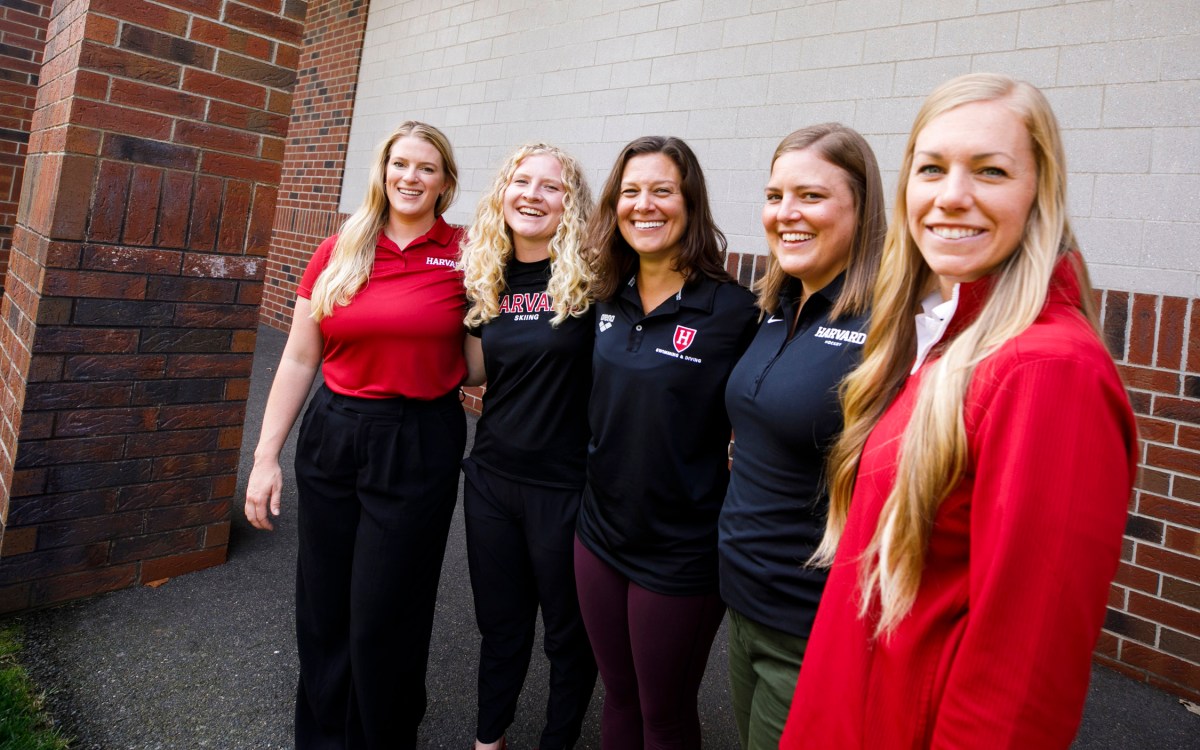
(488, 245)
(353, 255)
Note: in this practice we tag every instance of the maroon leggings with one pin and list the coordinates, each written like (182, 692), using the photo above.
(651, 650)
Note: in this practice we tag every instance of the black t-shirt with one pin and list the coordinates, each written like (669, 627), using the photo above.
(782, 400)
(657, 462)
(534, 425)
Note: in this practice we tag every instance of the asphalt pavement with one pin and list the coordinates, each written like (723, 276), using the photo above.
(208, 660)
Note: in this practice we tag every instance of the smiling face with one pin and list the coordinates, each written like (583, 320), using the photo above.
(414, 179)
(809, 217)
(533, 205)
(971, 188)
(651, 212)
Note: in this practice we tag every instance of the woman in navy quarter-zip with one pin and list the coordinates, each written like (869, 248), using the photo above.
(824, 219)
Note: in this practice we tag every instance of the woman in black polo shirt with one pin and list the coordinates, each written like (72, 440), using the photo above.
(824, 219)
(670, 325)
(531, 325)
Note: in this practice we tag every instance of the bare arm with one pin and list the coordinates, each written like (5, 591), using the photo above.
(297, 368)
(473, 351)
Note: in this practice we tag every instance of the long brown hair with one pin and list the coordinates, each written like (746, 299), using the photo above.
(845, 149)
(702, 246)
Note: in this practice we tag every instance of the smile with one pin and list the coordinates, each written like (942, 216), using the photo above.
(796, 236)
(955, 233)
(648, 224)
(527, 211)
(408, 192)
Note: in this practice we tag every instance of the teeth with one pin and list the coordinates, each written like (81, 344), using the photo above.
(796, 236)
(648, 224)
(402, 191)
(526, 211)
(955, 233)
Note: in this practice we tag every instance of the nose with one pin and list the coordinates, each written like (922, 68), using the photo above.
(409, 174)
(789, 208)
(642, 202)
(531, 193)
(955, 190)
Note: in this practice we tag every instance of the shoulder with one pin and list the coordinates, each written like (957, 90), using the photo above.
(730, 294)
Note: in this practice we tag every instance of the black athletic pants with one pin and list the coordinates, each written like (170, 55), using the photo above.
(377, 481)
(519, 549)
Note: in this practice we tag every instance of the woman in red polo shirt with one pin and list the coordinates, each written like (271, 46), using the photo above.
(379, 310)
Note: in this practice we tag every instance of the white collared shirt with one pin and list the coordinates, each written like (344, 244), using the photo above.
(932, 322)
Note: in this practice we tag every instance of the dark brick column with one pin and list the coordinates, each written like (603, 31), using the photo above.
(22, 37)
(131, 302)
(315, 156)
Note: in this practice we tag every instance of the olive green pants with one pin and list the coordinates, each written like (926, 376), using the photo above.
(763, 666)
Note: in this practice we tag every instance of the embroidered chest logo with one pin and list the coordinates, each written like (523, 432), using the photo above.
(606, 322)
(684, 337)
(834, 336)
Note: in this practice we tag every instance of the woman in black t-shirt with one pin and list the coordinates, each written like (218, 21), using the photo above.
(530, 318)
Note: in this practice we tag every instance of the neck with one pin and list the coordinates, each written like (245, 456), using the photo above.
(657, 281)
(403, 230)
(528, 251)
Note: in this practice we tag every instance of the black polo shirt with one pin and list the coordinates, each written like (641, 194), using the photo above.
(534, 425)
(657, 461)
(782, 400)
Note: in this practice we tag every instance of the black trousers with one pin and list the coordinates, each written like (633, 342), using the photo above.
(520, 554)
(377, 481)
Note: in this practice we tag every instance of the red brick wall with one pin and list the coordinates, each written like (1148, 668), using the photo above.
(129, 321)
(1153, 627)
(22, 36)
(315, 155)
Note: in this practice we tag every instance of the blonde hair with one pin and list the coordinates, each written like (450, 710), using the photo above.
(488, 245)
(845, 149)
(353, 254)
(933, 447)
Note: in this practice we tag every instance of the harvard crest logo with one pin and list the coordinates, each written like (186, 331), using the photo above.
(684, 337)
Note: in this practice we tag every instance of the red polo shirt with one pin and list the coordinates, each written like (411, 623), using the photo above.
(402, 333)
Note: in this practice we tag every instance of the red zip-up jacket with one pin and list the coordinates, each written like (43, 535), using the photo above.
(996, 652)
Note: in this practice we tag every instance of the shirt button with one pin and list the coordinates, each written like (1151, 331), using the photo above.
(638, 328)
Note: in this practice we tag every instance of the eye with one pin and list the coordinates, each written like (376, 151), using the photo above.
(663, 191)
(553, 187)
(811, 197)
(520, 181)
(929, 169)
(993, 172)
(629, 193)
(428, 170)
(773, 197)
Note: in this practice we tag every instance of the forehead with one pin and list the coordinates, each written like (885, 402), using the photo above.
(415, 149)
(807, 166)
(540, 165)
(651, 168)
(977, 128)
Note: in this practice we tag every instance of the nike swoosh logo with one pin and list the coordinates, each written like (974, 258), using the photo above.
(774, 319)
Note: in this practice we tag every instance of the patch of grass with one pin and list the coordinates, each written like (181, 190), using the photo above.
(23, 725)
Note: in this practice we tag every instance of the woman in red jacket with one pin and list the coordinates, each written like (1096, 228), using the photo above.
(978, 492)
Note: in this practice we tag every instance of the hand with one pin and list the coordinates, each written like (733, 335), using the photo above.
(262, 493)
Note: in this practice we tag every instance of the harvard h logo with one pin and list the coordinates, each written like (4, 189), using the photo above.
(683, 338)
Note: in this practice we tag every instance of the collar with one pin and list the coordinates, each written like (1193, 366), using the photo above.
(441, 234)
(696, 295)
(789, 295)
(1064, 289)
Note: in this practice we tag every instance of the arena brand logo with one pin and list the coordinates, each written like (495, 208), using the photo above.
(684, 337)
(839, 334)
(448, 262)
(606, 322)
(525, 303)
